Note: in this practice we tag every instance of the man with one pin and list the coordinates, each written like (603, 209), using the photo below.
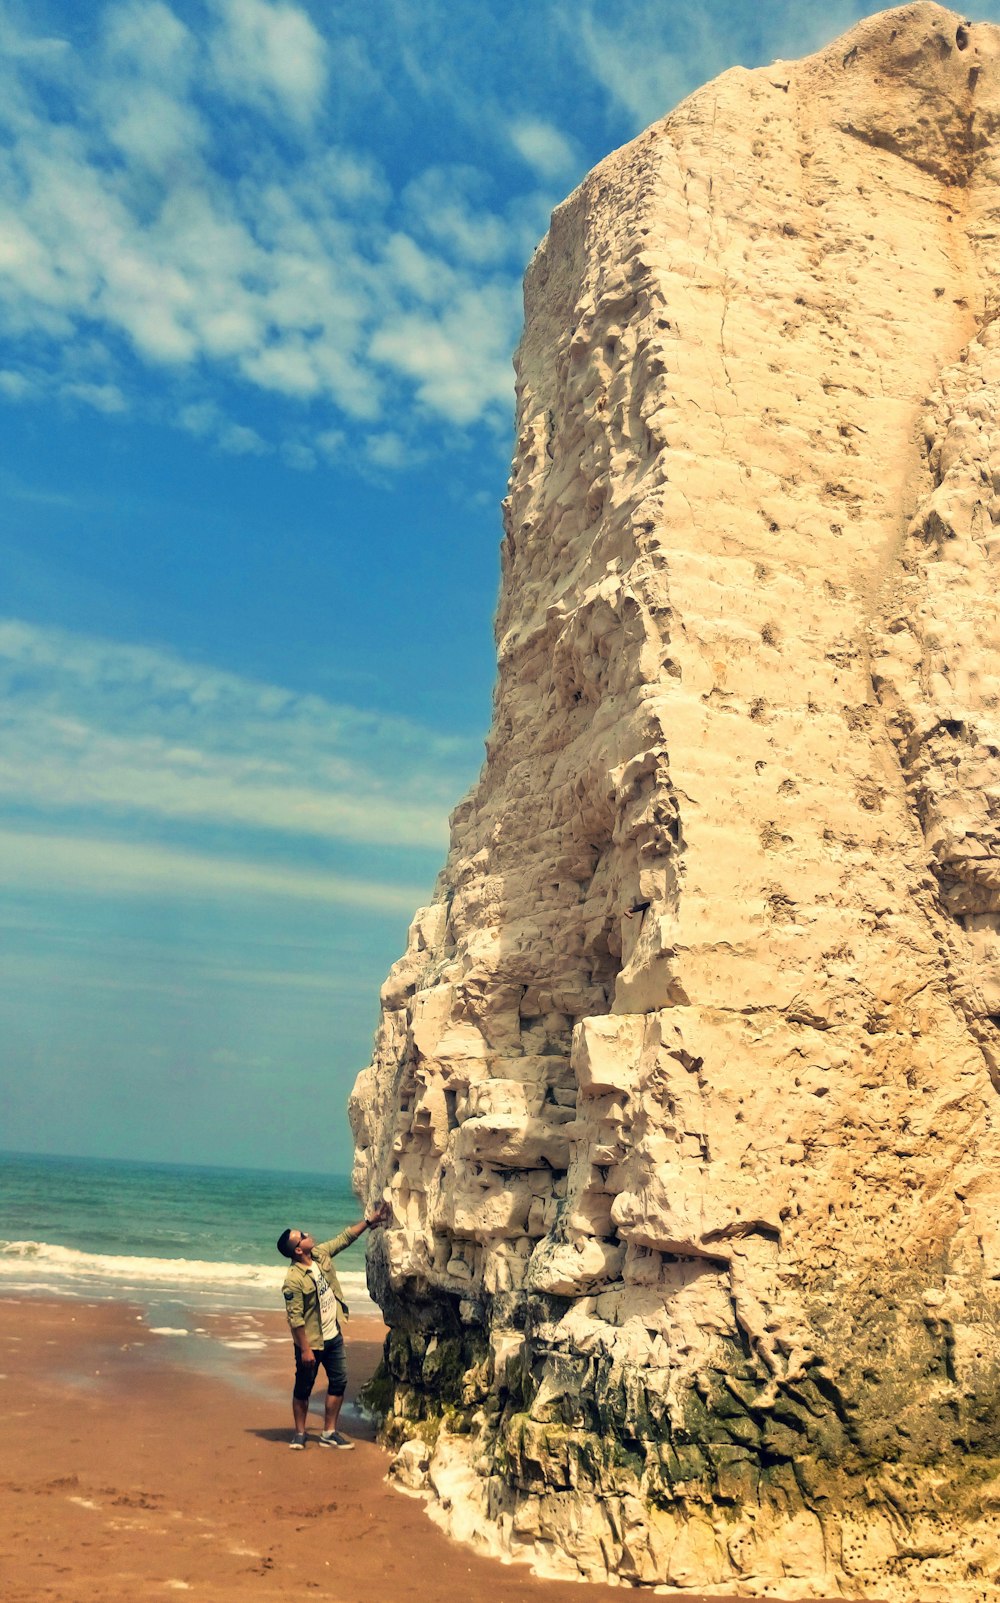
(315, 1308)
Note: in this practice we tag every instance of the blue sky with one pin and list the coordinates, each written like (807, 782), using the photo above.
(260, 270)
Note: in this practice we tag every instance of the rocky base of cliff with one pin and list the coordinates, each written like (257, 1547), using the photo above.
(557, 1446)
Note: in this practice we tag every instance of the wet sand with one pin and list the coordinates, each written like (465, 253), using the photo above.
(140, 1466)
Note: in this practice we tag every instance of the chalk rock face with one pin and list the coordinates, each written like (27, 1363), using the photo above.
(684, 1090)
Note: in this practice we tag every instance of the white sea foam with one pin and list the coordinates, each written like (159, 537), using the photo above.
(41, 1257)
(39, 1266)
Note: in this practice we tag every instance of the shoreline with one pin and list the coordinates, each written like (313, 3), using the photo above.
(45, 1269)
(143, 1465)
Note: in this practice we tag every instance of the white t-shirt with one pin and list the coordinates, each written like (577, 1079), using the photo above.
(329, 1322)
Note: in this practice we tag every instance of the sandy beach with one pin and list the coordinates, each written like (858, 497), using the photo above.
(139, 1465)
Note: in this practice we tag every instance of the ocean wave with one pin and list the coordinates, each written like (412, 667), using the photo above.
(42, 1266)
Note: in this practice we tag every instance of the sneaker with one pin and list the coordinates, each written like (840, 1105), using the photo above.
(335, 1438)
(298, 1440)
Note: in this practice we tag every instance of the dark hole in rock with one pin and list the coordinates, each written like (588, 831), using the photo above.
(962, 36)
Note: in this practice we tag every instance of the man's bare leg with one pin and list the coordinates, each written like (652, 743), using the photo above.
(331, 1411)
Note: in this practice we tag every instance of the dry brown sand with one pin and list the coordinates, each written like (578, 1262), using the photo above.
(138, 1466)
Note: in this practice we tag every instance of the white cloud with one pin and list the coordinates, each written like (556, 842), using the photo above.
(106, 398)
(270, 53)
(445, 202)
(92, 726)
(139, 94)
(298, 456)
(112, 867)
(152, 127)
(332, 443)
(354, 178)
(415, 271)
(543, 147)
(287, 368)
(199, 417)
(391, 450)
(239, 440)
(16, 386)
(295, 271)
(148, 35)
(459, 356)
(206, 420)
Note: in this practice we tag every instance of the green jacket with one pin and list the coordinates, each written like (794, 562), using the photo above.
(301, 1296)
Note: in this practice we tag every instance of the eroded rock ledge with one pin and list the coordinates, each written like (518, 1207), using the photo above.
(683, 1091)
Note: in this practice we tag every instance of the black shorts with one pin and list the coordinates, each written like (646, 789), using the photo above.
(331, 1356)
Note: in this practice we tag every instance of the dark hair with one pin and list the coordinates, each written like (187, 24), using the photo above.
(283, 1247)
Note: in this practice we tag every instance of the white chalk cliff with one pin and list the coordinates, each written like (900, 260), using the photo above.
(694, 1270)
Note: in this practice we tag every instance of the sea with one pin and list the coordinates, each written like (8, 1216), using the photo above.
(170, 1237)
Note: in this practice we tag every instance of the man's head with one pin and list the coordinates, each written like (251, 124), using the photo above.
(294, 1243)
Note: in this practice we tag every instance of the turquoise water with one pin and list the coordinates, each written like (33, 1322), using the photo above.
(104, 1228)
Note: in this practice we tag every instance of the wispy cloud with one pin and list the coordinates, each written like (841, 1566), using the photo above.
(16, 386)
(543, 147)
(270, 52)
(116, 868)
(93, 726)
(647, 57)
(102, 397)
(451, 354)
(94, 972)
